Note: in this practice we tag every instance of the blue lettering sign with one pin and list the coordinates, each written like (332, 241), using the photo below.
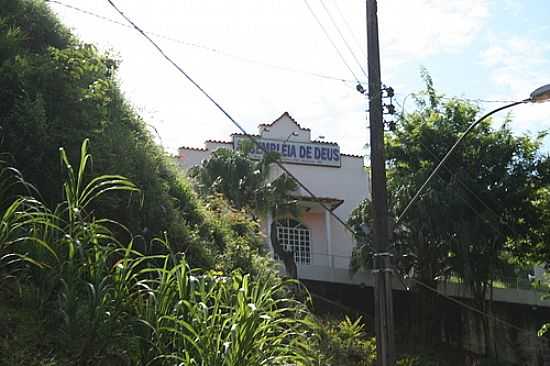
(336, 154)
(292, 151)
(284, 151)
(324, 153)
(302, 152)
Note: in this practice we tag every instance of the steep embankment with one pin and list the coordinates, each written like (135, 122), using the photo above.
(55, 92)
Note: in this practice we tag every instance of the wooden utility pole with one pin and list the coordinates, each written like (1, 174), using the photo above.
(385, 343)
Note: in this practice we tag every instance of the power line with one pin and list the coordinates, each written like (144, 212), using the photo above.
(254, 140)
(477, 100)
(343, 38)
(221, 109)
(471, 308)
(205, 48)
(353, 35)
(331, 41)
(448, 154)
(451, 98)
(402, 277)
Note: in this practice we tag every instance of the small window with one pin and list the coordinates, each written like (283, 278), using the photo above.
(295, 237)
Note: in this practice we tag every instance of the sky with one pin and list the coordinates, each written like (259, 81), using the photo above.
(260, 58)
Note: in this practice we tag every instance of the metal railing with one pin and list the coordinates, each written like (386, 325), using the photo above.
(335, 261)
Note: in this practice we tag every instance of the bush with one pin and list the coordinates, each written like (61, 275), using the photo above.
(57, 91)
(345, 342)
(109, 304)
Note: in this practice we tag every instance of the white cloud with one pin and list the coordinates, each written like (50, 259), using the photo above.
(422, 28)
(513, 6)
(518, 65)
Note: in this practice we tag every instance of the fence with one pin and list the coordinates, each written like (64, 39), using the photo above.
(323, 262)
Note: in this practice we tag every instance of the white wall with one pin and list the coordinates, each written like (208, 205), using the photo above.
(349, 183)
(190, 157)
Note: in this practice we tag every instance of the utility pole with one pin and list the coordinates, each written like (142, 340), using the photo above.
(383, 307)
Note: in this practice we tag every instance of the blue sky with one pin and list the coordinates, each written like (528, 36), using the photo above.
(486, 49)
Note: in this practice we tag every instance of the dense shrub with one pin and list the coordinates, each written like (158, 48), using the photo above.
(103, 302)
(345, 342)
(57, 91)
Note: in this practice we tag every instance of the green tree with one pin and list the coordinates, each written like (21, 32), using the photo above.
(486, 206)
(247, 184)
(57, 91)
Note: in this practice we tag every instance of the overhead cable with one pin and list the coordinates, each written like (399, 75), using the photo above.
(353, 36)
(331, 41)
(480, 312)
(237, 124)
(205, 48)
(343, 38)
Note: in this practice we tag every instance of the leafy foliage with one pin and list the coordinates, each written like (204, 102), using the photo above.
(345, 342)
(57, 91)
(487, 200)
(486, 210)
(110, 304)
(251, 185)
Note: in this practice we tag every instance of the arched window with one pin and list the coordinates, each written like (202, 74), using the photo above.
(295, 237)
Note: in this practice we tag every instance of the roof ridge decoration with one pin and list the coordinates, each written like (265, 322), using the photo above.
(289, 117)
(220, 142)
(353, 155)
(192, 148)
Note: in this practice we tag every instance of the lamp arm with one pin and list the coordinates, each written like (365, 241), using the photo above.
(450, 151)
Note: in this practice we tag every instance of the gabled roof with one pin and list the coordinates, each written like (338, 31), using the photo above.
(286, 114)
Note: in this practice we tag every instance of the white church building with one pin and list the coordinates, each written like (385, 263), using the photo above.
(321, 245)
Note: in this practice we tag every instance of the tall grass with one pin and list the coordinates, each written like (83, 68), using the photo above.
(112, 305)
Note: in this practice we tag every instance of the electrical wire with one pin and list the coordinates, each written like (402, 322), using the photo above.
(343, 38)
(465, 99)
(475, 195)
(205, 48)
(473, 309)
(331, 41)
(448, 154)
(221, 109)
(353, 35)
(477, 100)
(402, 278)
(254, 140)
(464, 185)
(458, 302)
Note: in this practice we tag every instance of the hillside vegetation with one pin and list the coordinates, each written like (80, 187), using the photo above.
(107, 255)
(56, 92)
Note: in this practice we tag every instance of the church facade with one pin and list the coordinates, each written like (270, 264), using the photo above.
(322, 246)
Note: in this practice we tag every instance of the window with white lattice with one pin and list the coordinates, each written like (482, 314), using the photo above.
(295, 237)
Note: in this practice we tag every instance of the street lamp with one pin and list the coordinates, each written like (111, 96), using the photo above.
(541, 94)
(538, 95)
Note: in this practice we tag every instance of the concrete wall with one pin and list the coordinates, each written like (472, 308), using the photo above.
(190, 157)
(458, 337)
